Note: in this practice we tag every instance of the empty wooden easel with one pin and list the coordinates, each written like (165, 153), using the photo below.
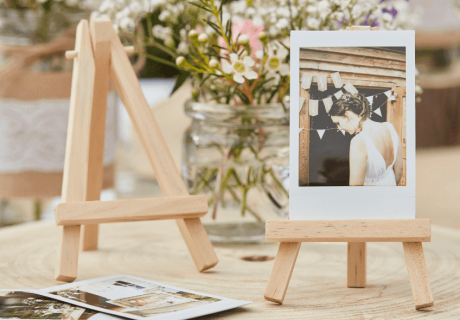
(100, 56)
(291, 234)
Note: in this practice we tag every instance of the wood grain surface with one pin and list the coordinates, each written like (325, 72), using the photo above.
(318, 288)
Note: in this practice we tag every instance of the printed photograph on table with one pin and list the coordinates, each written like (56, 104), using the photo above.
(137, 298)
(354, 99)
(29, 305)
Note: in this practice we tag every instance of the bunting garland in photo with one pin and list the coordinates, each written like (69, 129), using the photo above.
(327, 104)
(313, 107)
(322, 83)
(301, 103)
(338, 83)
(306, 80)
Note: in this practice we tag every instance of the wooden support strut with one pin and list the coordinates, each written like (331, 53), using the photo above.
(292, 233)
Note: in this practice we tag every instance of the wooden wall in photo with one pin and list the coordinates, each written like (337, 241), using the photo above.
(363, 67)
(304, 140)
(396, 114)
(371, 68)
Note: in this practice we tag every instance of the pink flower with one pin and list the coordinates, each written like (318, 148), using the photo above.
(248, 28)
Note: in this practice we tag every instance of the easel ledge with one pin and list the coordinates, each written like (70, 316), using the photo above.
(404, 230)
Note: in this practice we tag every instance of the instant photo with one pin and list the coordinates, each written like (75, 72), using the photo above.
(137, 298)
(27, 305)
(352, 125)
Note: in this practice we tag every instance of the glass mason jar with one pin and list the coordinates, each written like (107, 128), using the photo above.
(239, 157)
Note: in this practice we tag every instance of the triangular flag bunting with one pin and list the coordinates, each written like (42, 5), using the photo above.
(338, 94)
(343, 131)
(327, 104)
(370, 99)
(388, 93)
(313, 107)
(322, 83)
(378, 111)
(351, 88)
(337, 80)
(301, 102)
(321, 133)
(392, 98)
(306, 80)
(300, 130)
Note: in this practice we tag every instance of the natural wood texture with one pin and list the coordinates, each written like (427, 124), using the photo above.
(93, 212)
(379, 53)
(318, 56)
(396, 114)
(401, 230)
(356, 265)
(304, 140)
(418, 274)
(349, 68)
(149, 134)
(318, 289)
(75, 179)
(101, 52)
(281, 272)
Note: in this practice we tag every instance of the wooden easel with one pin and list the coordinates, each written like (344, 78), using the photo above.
(100, 56)
(292, 233)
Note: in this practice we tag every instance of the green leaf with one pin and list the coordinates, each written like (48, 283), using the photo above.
(183, 76)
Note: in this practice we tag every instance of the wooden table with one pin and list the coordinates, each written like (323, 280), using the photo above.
(155, 250)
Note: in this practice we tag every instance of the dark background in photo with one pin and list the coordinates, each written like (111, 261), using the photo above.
(329, 156)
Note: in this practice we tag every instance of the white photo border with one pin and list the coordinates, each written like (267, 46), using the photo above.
(349, 202)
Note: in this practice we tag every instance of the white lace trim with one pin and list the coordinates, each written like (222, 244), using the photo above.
(33, 134)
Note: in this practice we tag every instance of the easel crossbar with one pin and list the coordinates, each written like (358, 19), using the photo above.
(95, 212)
(404, 230)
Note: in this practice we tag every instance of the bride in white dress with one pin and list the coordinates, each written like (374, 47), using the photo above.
(375, 150)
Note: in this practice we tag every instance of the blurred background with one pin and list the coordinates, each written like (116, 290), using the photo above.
(35, 80)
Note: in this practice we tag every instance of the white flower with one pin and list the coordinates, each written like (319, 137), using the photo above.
(135, 8)
(239, 68)
(387, 17)
(313, 23)
(126, 23)
(259, 54)
(275, 62)
(164, 15)
(282, 23)
(324, 9)
(182, 48)
(357, 11)
(312, 9)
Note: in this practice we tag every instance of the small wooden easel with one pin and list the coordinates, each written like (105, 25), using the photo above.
(292, 233)
(100, 56)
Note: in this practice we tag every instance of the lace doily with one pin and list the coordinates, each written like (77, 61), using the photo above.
(33, 134)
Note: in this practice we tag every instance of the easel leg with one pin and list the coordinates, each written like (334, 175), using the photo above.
(418, 274)
(198, 243)
(282, 271)
(89, 237)
(67, 260)
(356, 265)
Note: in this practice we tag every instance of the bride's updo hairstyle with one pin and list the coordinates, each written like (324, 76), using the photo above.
(357, 104)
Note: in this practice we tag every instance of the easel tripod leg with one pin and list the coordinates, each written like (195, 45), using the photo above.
(67, 259)
(356, 265)
(198, 243)
(418, 274)
(89, 237)
(282, 271)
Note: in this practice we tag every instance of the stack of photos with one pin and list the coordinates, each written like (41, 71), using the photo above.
(28, 305)
(136, 298)
(111, 298)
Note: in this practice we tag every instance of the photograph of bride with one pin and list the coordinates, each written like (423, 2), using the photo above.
(352, 117)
